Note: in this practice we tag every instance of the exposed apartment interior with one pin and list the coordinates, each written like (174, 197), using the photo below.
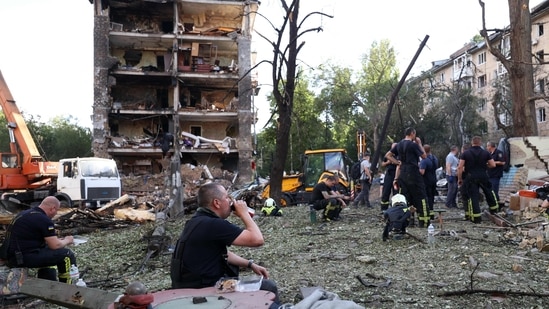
(172, 78)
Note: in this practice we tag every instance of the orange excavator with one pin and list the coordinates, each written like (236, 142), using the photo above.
(23, 168)
(26, 178)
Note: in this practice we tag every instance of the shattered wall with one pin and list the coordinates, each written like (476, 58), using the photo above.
(101, 104)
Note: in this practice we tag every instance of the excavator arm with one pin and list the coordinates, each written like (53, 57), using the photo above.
(31, 171)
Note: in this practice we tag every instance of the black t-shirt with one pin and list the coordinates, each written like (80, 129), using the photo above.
(207, 244)
(497, 171)
(390, 168)
(430, 165)
(29, 230)
(408, 153)
(316, 195)
(475, 161)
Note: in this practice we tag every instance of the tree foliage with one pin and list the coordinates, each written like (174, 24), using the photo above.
(346, 100)
(307, 131)
(57, 139)
(359, 100)
(286, 46)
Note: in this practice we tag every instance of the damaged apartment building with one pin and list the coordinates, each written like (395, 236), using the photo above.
(172, 79)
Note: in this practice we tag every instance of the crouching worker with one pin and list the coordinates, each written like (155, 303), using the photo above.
(324, 198)
(270, 208)
(397, 217)
(32, 242)
(201, 256)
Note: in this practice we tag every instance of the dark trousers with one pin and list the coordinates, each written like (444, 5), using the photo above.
(364, 195)
(473, 187)
(452, 193)
(431, 192)
(387, 189)
(495, 186)
(45, 259)
(413, 188)
(331, 207)
(270, 285)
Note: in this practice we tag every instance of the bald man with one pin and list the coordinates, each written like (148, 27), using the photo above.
(33, 242)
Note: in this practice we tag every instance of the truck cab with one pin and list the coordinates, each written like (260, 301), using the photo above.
(88, 181)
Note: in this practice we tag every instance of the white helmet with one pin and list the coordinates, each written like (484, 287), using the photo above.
(398, 200)
(269, 202)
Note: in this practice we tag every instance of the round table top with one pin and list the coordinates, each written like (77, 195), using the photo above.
(210, 298)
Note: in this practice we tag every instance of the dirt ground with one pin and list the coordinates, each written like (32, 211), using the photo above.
(474, 265)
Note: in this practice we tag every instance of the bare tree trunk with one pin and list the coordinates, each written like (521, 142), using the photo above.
(521, 70)
(285, 103)
(519, 66)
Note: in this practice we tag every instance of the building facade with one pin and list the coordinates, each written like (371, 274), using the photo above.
(474, 67)
(172, 80)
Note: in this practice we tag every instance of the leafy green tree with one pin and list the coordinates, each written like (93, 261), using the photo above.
(358, 100)
(336, 103)
(63, 138)
(60, 138)
(307, 131)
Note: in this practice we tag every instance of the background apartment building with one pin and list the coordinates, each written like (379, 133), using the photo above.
(473, 67)
(172, 79)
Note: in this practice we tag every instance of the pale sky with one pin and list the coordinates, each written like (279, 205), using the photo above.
(46, 52)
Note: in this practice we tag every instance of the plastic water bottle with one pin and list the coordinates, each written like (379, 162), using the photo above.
(74, 274)
(81, 283)
(431, 235)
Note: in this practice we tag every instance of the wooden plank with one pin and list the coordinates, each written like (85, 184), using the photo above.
(120, 201)
(219, 147)
(67, 295)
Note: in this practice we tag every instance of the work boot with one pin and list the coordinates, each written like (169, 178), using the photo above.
(501, 205)
(48, 273)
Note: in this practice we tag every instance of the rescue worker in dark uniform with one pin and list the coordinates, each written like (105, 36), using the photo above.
(407, 175)
(475, 161)
(325, 198)
(496, 173)
(428, 168)
(388, 188)
(33, 242)
(463, 197)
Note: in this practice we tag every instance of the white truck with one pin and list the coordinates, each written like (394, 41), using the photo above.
(87, 181)
(26, 178)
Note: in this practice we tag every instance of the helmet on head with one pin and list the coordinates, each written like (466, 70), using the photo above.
(398, 200)
(270, 208)
(269, 202)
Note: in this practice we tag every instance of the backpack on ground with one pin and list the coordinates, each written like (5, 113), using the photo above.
(356, 171)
